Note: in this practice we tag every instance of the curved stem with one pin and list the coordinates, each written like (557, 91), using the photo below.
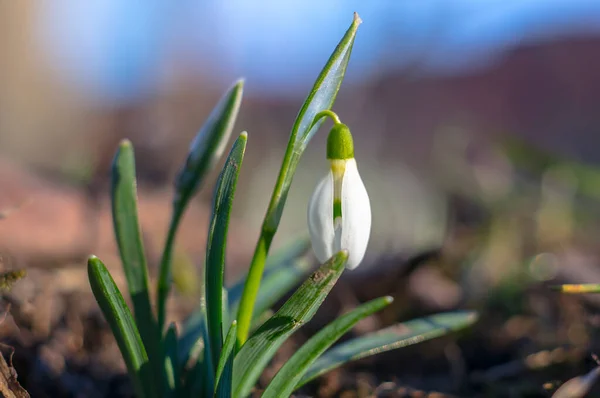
(324, 113)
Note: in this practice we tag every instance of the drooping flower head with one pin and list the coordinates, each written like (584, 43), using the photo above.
(339, 211)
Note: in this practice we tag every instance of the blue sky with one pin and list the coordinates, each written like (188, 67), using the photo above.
(116, 49)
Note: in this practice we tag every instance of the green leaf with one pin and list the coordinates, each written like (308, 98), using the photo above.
(391, 338)
(284, 382)
(284, 270)
(209, 365)
(131, 249)
(279, 282)
(225, 308)
(217, 242)
(172, 376)
(205, 151)
(223, 377)
(577, 288)
(123, 327)
(193, 374)
(193, 384)
(256, 353)
(260, 320)
(191, 333)
(204, 364)
(321, 97)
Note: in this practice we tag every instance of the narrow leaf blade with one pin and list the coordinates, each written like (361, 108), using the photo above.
(205, 151)
(197, 365)
(284, 269)
(127, 231)
(321, 97)
(123, 327)
(131, 248)
(217, 242)
(172, 375)
(224, 369)
(284, 382)
(255, 354)
(191, 334)
(208, 365)
(391, 338)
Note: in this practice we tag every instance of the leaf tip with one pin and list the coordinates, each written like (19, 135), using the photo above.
(92, 260)
(357, 19)
(94, 267)
(236, 91)
(239, 83)
(389, 299)
(234, 322)
(125, 143)
(244, 135)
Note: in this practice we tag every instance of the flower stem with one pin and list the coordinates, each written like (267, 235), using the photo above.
(251, 287)
(325, 113)
(269, 227)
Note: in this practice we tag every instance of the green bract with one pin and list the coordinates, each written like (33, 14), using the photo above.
(224, 346)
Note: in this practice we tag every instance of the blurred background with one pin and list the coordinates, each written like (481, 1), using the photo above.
(476, 127)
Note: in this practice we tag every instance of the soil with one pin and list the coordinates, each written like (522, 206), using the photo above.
(528, 340)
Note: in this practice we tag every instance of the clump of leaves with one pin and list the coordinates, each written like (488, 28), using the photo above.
(229, 340)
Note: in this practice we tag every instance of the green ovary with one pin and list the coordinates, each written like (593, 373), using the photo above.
(340, 145)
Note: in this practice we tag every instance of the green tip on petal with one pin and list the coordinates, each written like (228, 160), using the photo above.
(339, 143)
(337, 209)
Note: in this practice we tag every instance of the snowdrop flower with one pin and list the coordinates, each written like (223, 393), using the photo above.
(339, 211)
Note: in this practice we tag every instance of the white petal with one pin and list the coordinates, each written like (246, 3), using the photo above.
(356, 215)
(320, 219)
